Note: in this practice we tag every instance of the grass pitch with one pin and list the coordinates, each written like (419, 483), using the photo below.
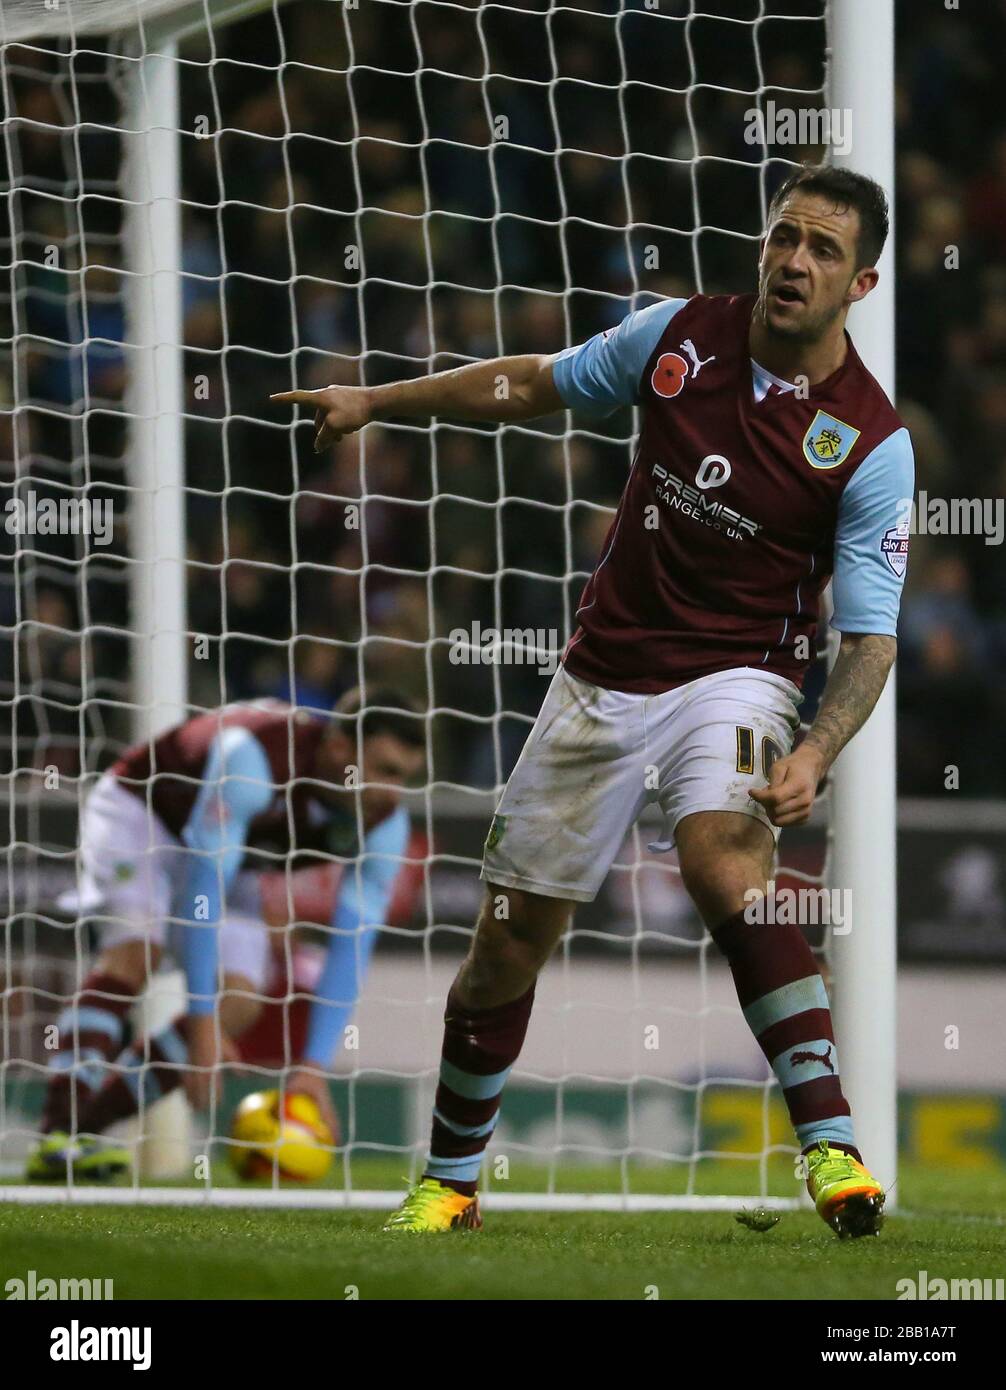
(951, 1226)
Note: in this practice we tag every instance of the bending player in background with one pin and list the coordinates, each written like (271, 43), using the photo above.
(186, 811)
(769, 459)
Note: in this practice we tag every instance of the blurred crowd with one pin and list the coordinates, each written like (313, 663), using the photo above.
(396, 222)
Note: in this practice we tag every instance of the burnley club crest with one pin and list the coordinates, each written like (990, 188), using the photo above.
(828, 442)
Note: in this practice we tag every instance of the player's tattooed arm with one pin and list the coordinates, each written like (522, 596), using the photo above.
(853, 688)
(859, 675)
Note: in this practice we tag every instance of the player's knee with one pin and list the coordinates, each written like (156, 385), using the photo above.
(719, 887)
(527, 918)
(518, 931)
(722, 858)
(131, 961)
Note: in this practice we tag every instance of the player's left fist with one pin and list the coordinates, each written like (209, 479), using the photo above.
(792, 786)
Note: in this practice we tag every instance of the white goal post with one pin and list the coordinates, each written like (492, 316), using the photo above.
(864, 817)
(862, 837)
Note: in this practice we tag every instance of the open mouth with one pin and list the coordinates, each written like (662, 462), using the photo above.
(786, 294)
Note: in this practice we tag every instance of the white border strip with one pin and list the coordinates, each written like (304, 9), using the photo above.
(289, 1198)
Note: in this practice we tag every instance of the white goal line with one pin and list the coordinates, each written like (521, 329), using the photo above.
(378, 1201)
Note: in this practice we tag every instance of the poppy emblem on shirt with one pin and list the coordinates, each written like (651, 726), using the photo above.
(669, 374)
(828, 442)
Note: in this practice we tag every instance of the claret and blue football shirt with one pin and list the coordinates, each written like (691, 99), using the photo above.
(744, 498)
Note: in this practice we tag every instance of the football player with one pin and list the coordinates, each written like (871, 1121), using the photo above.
(164, 836)
(769, 461)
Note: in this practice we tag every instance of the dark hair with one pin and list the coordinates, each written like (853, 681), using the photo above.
(846, 189)
(385, 711)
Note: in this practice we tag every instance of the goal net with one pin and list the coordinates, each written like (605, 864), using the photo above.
(210, 202)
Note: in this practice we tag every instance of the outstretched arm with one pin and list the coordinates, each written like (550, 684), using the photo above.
(595, 377)
(236, 786)
(503, 388)
(854, 686)
(364, 898)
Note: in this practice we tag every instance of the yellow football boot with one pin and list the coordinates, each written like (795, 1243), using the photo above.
(845, 1194)
(430, 1206)
(89, 1158)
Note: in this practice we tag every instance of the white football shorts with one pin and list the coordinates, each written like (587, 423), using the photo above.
(130, 865)
(596, 758)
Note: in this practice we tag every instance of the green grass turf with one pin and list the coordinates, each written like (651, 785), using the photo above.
(951, 1228)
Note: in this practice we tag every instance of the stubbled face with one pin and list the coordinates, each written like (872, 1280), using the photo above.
(807, 275)
(386, 761)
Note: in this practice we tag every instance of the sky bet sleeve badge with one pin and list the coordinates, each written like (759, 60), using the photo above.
(828, 442)
(894, 548)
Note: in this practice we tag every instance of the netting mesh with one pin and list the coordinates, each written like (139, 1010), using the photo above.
(369, 193)
(47, 19)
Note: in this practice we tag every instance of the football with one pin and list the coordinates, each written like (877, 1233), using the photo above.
(288, 1136)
